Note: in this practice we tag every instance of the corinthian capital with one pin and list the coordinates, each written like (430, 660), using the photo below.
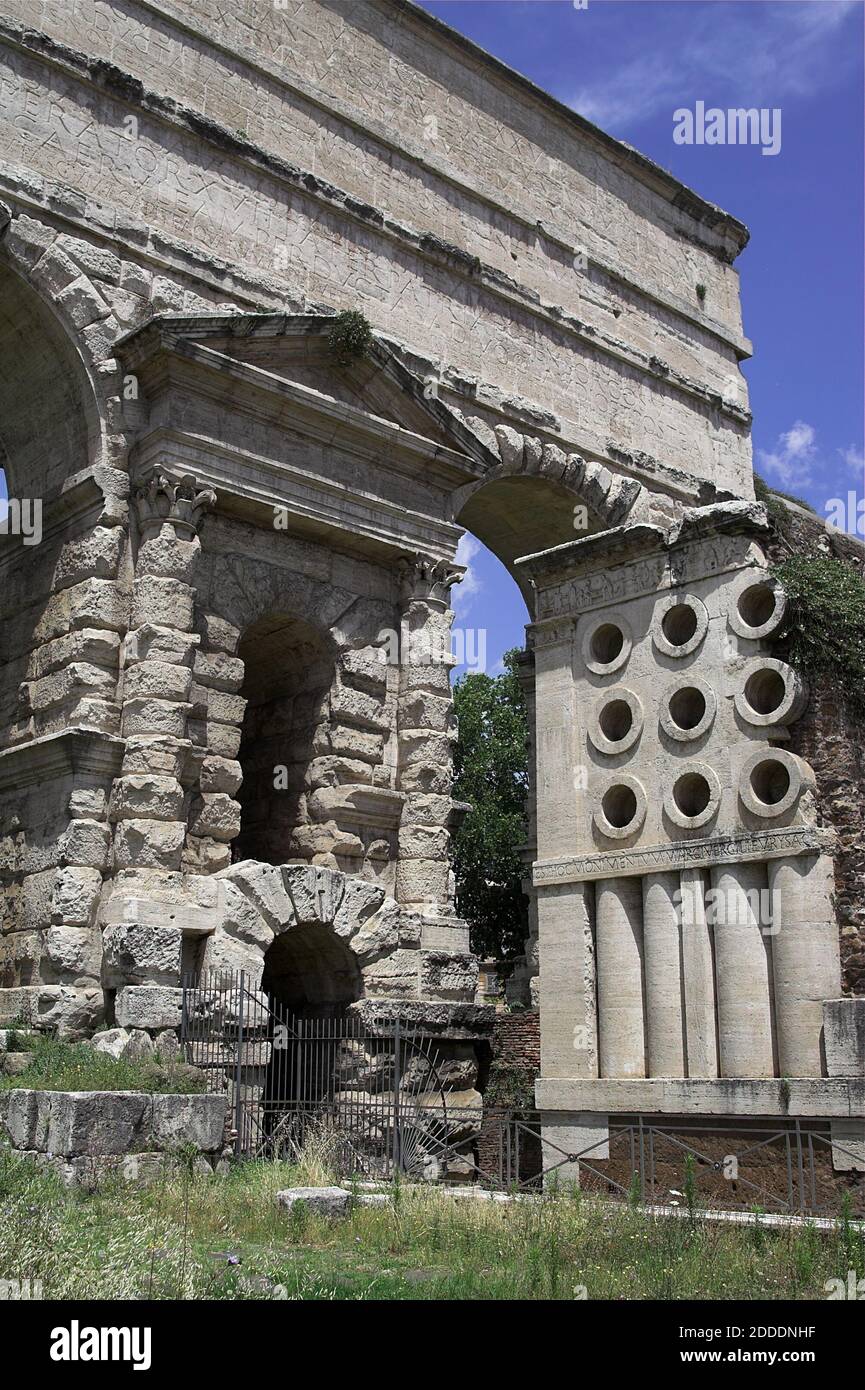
(429, 580)
(179, 502)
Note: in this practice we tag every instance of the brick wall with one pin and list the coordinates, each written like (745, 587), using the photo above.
(831, 737)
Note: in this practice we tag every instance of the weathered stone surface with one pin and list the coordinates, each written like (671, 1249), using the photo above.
(195, 1119)
(153, 1007)
(135, 953)
(320, 1201)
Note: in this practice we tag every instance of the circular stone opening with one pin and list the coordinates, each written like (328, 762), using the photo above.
(607, 643)
(770, 781)
(687, 707)
(616, 720)
(757, 604)
(679, 624)
(619, 806)
(765, 691)
(692, 794)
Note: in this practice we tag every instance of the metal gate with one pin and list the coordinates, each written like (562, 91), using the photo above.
(367, 1097)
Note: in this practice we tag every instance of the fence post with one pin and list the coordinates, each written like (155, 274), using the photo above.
(238, 1102)
(397, 1082)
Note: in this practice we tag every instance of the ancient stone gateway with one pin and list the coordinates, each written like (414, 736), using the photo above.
(225, 707)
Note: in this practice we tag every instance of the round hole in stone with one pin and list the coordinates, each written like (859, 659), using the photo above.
(607, 643)
(770, 781)
(692, 794)
(616, 720)
(620, 806)
(687, 707)
(765, 691)
(679, 624)
(756, 604)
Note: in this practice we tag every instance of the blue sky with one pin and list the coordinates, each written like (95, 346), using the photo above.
(628, 65)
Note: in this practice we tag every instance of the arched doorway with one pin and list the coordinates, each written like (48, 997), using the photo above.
(309, 972)
(289, 670)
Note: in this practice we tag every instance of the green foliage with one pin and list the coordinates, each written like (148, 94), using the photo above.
(349, 337)
(825, 626)
(510, 1087)
(62, 1066)
(195, 1236)
(491, 766)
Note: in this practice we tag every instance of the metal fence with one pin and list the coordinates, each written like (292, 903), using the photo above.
(371, 1098)
(368, 1097)
(689, 1163)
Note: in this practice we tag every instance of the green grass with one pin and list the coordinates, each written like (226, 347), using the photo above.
(61, 1066)
(173, 1240)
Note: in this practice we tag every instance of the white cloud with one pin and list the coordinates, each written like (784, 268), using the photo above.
(751, 55)
(854, 459)
(794, 456)
(464, 594)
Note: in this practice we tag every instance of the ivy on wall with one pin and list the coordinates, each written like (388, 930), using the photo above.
(825, 627)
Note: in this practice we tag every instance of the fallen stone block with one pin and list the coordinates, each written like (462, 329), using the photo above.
(324, 1201)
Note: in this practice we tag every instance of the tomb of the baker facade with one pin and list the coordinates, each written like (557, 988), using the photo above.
(226, 723)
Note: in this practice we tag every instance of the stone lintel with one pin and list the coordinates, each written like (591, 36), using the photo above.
(775, 1098)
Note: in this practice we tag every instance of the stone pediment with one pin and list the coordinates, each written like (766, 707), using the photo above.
(295, 350)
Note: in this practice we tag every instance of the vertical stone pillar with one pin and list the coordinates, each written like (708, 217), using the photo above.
(805, 959)
(698, 971)
(147, 802)
(569, 1029)
(665, 1024)
(425, 735)
(621, 1008)
(743, 972)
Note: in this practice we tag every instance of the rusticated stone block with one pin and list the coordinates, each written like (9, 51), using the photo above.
(155, 717)
(95, 555)
(140, 797)
(153, 1007)
(152, 643)
(87, 843)
(215, 815)
(220, 775)
(162, 602)
(138, 953)
(75, 896)
(218, 671)
(70, 953)
(446, 976)
(155, 755)
(148, 844)
(157, 680)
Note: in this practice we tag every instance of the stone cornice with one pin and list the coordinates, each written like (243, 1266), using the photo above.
(736, 848)
(51, 756)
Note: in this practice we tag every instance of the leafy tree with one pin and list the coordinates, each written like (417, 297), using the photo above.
(491, 765)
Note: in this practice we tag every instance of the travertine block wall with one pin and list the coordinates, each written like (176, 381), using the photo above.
(690, 930)
(203, 137)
